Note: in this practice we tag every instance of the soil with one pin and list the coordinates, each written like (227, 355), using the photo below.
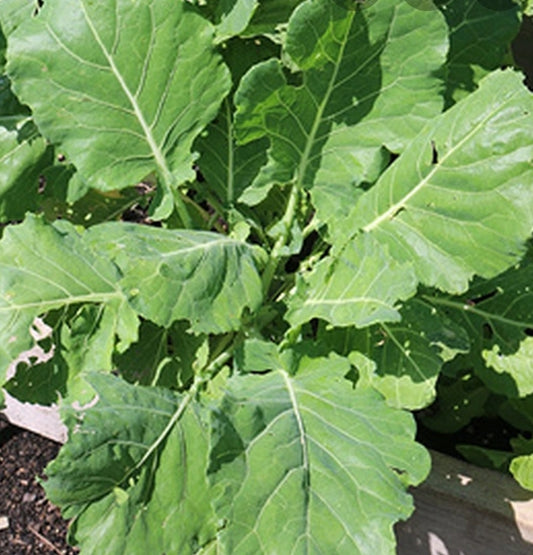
(34, 525)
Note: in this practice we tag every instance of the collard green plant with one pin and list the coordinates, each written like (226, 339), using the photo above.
(331, 204)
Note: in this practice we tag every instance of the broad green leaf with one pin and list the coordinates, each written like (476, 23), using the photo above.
(407, 356)
(23, 153)
(205, 278)
(353, 94)
(479, 42)
(339, 461)
(518, 365)
(140, 457)
(44, 267)
(458, 201)
(360, 287)
(129, 85)
(497, 314)
(15, 12)
(227, 167)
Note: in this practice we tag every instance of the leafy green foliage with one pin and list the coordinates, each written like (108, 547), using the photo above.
(331, 208)
(128, 106)
(331, 459)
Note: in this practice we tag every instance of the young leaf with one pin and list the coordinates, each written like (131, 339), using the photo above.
(522, 470)
(205, 278)
(233, 16)
(228, 168)
(338, 463)
(350, 77)
(128, 86)
(270, 16)
(140, 461)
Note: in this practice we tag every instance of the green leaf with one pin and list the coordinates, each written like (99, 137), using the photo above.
(44, 267)
(270, 16)
(228, 168)
(522, 470)
(161, 356)
(352, 89)
(339, 461)
(358, 287)
(458, 401)
(457, 202)
(129, 85)
(407, 356)
(205, 278)
(15, 12)
(233, 16)
(518, 412)
(486, 458)
(83, 341)
(140, 460)
(497, 315)
(479, 41)
(518, 365)
(23, 156)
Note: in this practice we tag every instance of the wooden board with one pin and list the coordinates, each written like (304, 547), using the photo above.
(465, 510)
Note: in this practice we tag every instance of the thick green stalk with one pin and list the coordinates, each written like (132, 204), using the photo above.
(181, 209)
(287, 221)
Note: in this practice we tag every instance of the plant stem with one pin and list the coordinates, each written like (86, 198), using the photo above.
(464, 307)
(179, 203)
(275, 255)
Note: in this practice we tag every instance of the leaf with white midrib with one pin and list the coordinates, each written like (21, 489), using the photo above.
(330, 469)
(449, 217)
(155, 479)
(205, 278)
(131, 85)
(340, 63)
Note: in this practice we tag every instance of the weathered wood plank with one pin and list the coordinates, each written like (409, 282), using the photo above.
(41, 420)
(465, 510)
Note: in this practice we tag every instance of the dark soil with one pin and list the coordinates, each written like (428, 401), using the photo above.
(35, 525)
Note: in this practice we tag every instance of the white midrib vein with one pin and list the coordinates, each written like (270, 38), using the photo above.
(388, 214)
(158, 154)
(320, 112)
(302, 436)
